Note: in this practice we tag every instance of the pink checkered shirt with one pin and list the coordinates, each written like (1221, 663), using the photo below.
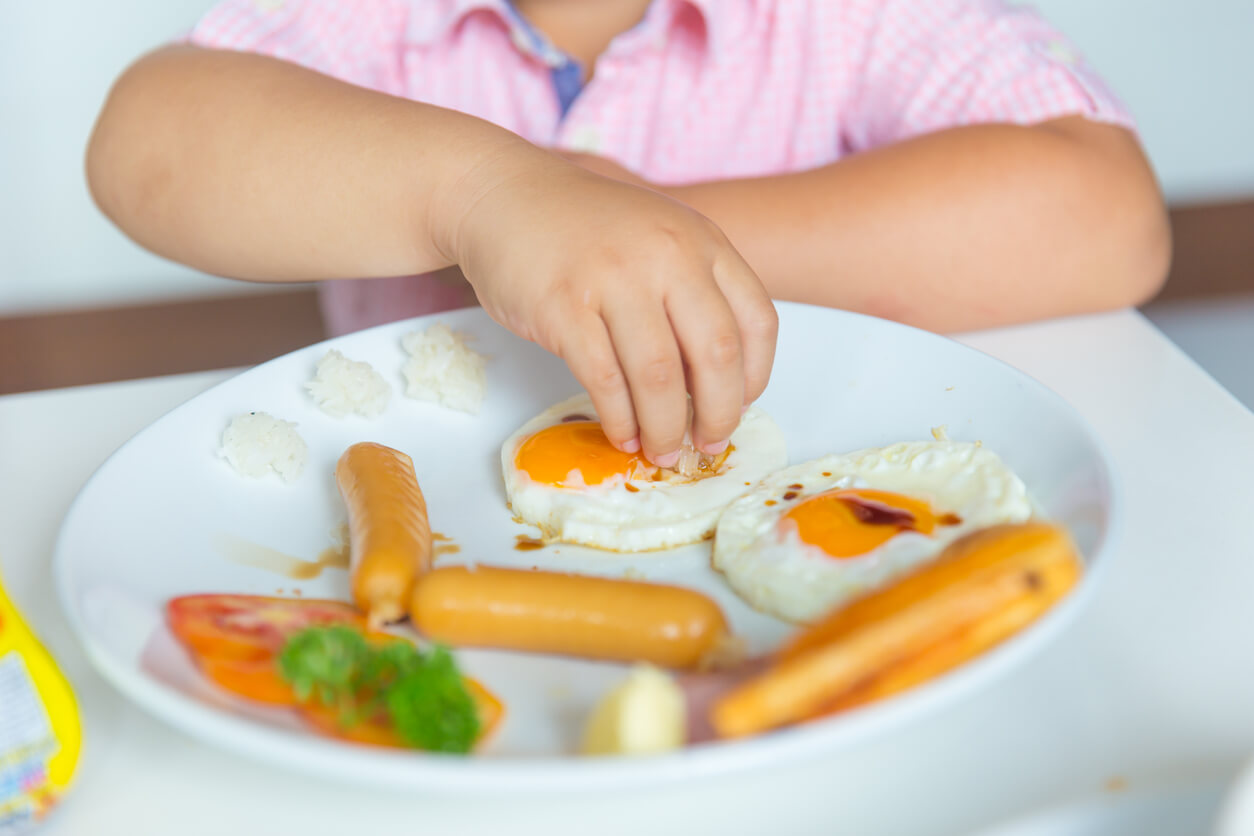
(699, 90)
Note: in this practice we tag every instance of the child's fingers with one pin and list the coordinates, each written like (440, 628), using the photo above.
(649, 356)
(710, 341)
(590, 355)
(755, 317)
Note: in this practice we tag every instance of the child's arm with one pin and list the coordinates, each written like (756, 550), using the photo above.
(251, 167)
(248, 167)
(964, 228)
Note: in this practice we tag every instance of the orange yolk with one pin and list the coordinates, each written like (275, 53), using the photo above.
(554, 453)
(852, 522)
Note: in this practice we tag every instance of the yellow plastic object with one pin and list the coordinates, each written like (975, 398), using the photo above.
(643, 715)
(40, 733)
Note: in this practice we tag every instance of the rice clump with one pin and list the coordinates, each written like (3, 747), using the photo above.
(256, 443)
(341, 386)
(443, 369)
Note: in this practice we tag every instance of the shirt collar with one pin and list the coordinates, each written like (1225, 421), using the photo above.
(717, 16)
(429, 22)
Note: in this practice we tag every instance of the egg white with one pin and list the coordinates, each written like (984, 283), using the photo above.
(781, 575)
(657, 515)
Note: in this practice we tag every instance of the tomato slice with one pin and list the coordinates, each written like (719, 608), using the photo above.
(235, 641)
(254, 679)
(378, 731)
(491, 709)
(250, 627)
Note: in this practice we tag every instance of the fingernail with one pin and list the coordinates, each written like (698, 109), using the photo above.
(714, 449)
(632, 446)
(669, 460)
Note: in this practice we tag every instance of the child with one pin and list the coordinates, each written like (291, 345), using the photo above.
(628, 183)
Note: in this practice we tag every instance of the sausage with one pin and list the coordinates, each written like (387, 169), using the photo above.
(574, 615)
(389, 535)
(981, 590)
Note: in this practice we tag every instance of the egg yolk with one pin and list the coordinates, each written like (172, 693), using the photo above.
(554, 454)
(851, 522)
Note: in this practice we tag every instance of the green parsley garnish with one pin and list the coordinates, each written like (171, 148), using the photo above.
(431, 708)
(423, 694)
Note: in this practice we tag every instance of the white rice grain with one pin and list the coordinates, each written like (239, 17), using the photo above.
(443, 369)
(342, 387)
(256, 443)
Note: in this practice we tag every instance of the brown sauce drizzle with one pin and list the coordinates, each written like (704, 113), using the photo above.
(570, 419)
(630, 487)
(795, 487)
(443, 544)
(949, 519)
(245, 553)
(826, 473)
(332, 557)
(527, 543)
(769, 502)
(791, 495)
(872, 513)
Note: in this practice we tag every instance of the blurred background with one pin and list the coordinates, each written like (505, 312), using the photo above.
(79, 303)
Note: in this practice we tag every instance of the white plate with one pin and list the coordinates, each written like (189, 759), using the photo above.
(1187, 808)
(147, 527)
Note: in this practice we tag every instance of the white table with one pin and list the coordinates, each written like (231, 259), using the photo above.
(1154, 681)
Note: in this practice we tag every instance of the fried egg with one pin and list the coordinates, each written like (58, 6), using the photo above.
(814, 535)
(563, 476)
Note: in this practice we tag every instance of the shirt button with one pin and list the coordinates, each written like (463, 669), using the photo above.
(520, 40)
(586, 139)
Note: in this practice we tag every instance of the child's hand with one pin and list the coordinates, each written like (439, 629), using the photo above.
(643, 298)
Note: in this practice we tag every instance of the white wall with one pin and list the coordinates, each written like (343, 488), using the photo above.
(1185, 68)
(57, 61)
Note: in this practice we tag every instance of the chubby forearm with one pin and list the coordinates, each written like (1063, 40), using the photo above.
(967, 228)
(254, 168)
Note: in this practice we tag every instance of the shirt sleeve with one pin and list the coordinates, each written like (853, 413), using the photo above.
(357, 41)
(933, 64)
